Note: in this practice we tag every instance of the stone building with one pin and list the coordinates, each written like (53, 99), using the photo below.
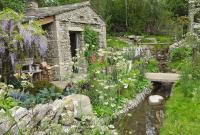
(65, 33)
(194, 16)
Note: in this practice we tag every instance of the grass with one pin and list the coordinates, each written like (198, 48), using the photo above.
(182, 114)
(159, 38)
(115, 43)
(183, 108)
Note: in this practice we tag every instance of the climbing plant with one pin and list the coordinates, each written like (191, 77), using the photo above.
(18, 40)
(91, 39)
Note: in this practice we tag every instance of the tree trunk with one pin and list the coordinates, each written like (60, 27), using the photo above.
(7, 68)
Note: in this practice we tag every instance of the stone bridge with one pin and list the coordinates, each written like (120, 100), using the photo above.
(163, 77)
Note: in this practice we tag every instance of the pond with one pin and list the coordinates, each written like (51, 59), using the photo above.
(144, 120)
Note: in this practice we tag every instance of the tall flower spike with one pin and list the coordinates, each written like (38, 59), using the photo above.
(11, 27)
(5, 25)
(42, 45)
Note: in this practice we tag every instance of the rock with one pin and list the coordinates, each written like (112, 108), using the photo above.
(155, 100)
(39, 133)
(68, 104)
(24, 122)
(44, 124)
(57, 109)
(67, 119)
(19, 112)
(39, 113)
(82, 105)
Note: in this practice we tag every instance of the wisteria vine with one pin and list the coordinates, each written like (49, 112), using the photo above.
(15, 36)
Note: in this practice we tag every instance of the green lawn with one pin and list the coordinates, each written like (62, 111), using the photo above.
(159, 38)
(182, 115)
(115, 43)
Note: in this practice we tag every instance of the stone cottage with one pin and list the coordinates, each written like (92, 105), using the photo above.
(65, 33)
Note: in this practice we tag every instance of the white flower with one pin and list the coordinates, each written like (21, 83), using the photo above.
(111, 126)
(11, 86)
(98, 72)
(100, 97)
(105, 103)
(129, 114)
(106, 87)
(113, 105)
(92, 126)
(125, 86)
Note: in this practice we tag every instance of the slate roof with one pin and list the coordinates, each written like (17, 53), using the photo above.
(51, 11)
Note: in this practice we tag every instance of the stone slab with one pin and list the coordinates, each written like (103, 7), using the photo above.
(162, 77)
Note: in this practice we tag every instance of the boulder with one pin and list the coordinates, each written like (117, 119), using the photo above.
(155, 100)
(38, 112)
(57, 109)
(82, 105)
(68, 104)
(67, 119)
(19, 112)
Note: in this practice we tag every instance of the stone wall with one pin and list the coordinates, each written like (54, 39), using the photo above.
(132, 104)
(52, 51)
(43, 118)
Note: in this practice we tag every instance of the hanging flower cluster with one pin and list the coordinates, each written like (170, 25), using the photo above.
(17, 37)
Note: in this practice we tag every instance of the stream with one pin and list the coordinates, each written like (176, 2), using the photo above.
(145, 119)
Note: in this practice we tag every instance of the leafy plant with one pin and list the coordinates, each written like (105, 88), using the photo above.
(92, 40)
(18, 40)
(39, 85)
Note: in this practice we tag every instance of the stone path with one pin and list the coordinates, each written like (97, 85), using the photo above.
(163, 77)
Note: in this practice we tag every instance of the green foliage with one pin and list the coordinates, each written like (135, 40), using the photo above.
(6, 102)
(183, 107)
(39, 85)
(45, 95)
(143, 16)
(152, 66)
(112, 79)
(17, 5)
(182, 112)
(116, 43)
(177, 7)
(181, 53)
(92, 40)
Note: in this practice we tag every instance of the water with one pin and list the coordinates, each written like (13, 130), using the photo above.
(144, 120)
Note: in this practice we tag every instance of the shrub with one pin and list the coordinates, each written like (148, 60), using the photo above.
(43, 96)
(181, 53)
(40, 85)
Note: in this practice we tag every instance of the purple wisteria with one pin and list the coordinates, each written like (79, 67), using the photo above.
(29, 37)
(18, 40)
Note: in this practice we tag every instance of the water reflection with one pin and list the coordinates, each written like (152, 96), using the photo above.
(144, 120)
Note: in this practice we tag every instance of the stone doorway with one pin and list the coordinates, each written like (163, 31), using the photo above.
(74, 42)
(74, 46)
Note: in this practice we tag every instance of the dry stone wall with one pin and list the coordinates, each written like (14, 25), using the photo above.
(44, 118)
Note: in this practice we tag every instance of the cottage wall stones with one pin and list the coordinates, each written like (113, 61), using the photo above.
(68, 18)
